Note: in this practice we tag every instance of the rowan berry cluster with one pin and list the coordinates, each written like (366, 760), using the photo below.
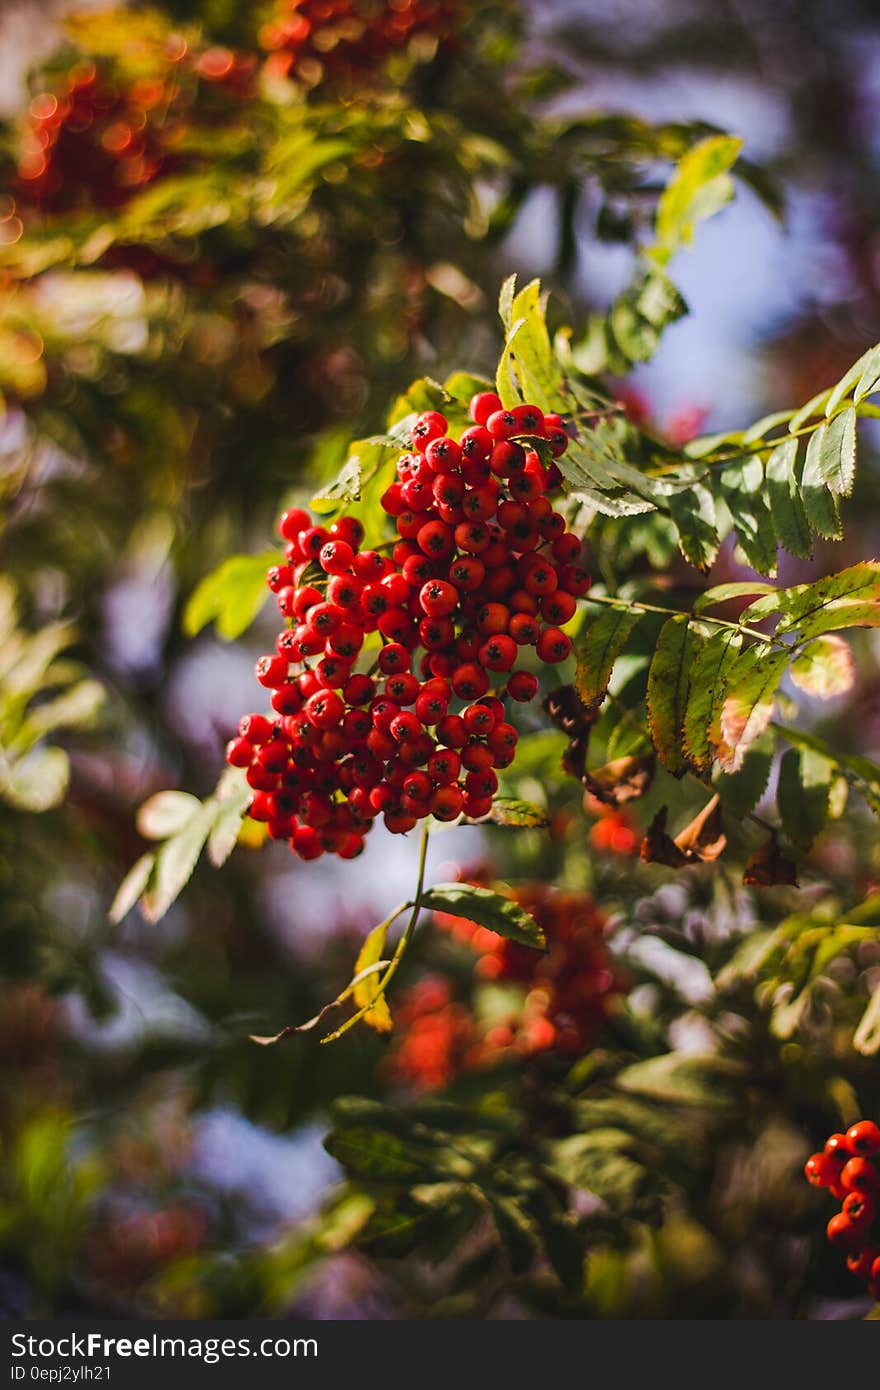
(849, 1166)
(317, 39)
(90, 143)
(98, 137)
(482, 570)
(567, 994)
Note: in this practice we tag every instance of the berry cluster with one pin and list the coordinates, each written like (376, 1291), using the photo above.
(483, 569)
(567, 994)
(849, 1166)
(347, 39)
(91, 143)
(99, 137)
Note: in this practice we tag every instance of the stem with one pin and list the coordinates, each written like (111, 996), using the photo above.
(402, 944)
(746, 451)
(635, 606)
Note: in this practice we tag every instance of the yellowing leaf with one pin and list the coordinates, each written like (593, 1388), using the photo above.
(825, 667)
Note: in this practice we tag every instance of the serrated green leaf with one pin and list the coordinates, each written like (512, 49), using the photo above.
(741, 791)
(837, 456)
(784, 496)
(668, 680)
(706, 1081)
(870, 375)
(850, 598)
(803, 793)
(742, 487)
(596, 650)
(708, 687)
(693, 513)
(820, 504)
(487, 909)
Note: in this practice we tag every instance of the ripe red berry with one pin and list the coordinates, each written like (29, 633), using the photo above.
(857, 1174)
(841, 1232)
(438, 598)
(271, 671)
(522, 686)
(482, 405)
(292, 523)
(553, 645)
(336, 557)
(860, 1208)
(863, 1138)
(239, 753)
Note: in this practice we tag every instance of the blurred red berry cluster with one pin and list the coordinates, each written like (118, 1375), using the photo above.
(849, 1166)
(99, 134)
(567, 993)
(315, 40)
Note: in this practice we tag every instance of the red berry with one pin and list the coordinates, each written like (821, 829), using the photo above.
(860, 1208)
(438, 598)
(484, 404)
(522, 686)
(857, 1174)
(271, 671)
(239, 753)
(292, 523)
(841, 1232)
(863, 1138)
(553, 645)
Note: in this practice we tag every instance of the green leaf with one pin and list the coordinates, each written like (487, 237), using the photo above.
(820, 504)
(132, 886)
(668, 678)
(693, 512)
(708, 686)
(870, 377)
(748, 708)
(165, 814)
(176, 860)
(837, 457)
(375, 1155)
(36, 782)
(596, 650)
(784, 496)
(741, 791)
(742, 487)
(600, 1162)
(505, 302)
(509, 810)
(700, 186)
(709, 1081)
(233, 796)
(850, 598)
(487, 909)
(803, 794)
(231, 596)
(722, 593)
